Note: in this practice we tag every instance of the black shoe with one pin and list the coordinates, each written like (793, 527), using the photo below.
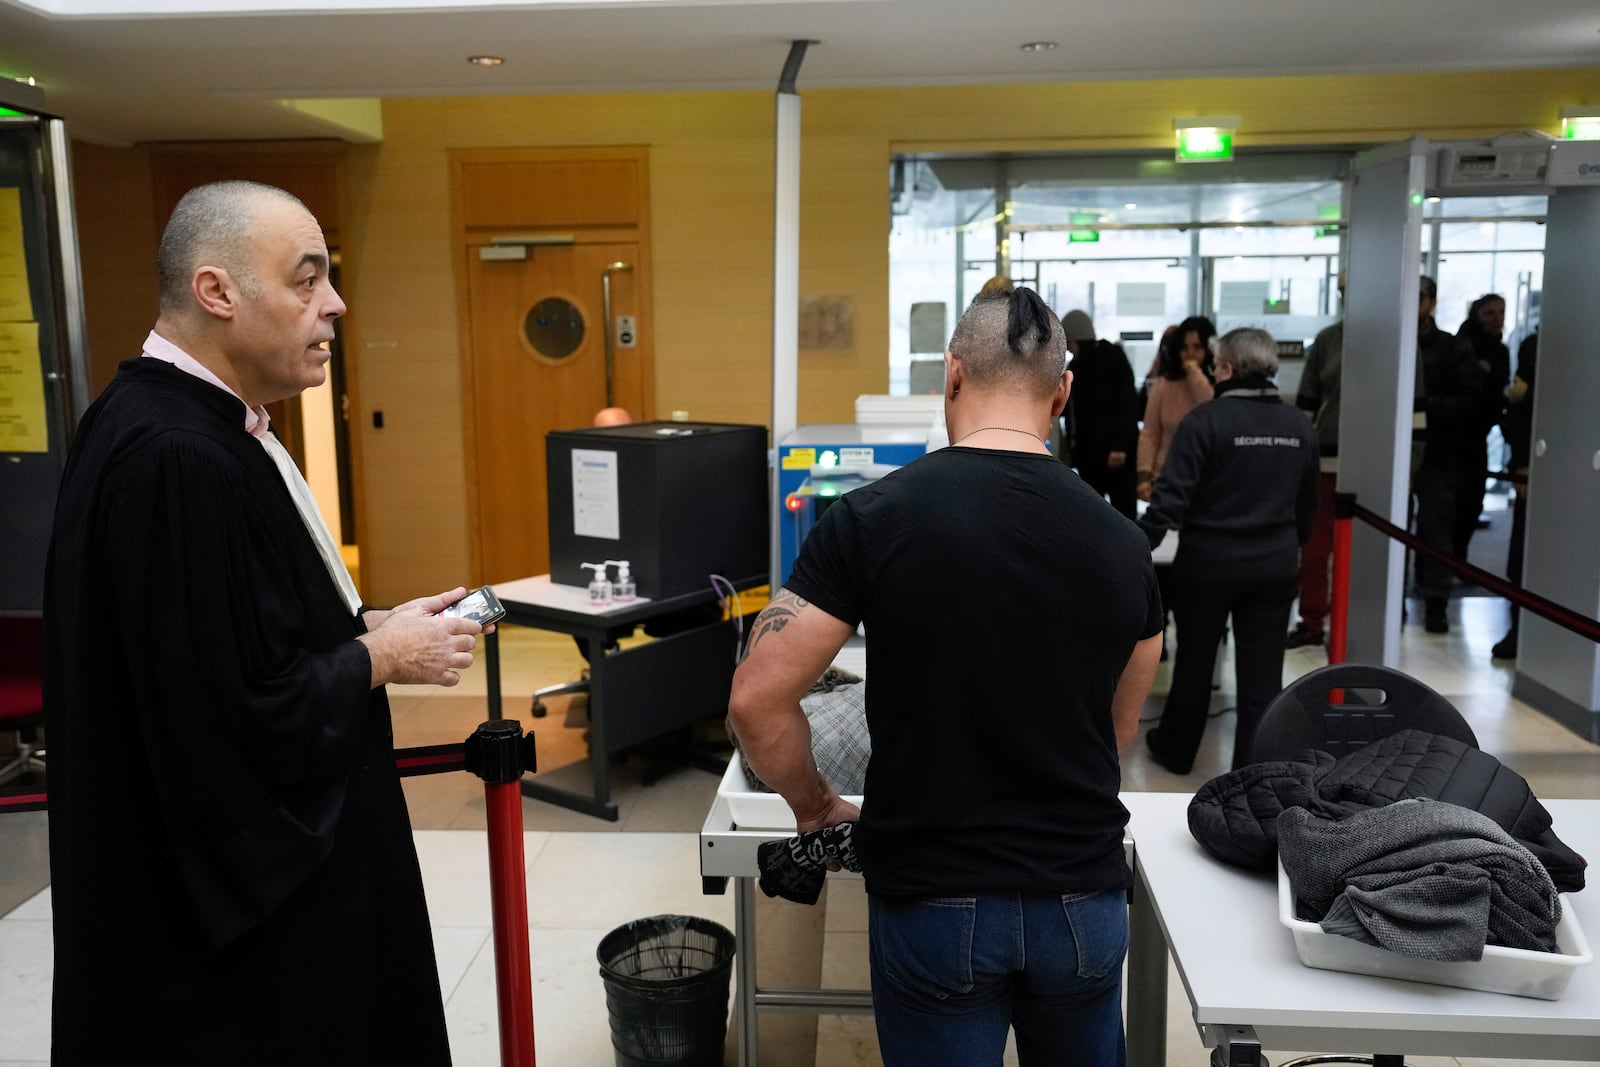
(1152, 741)
(1435, 620)
(1300, 637)
(1506, 647)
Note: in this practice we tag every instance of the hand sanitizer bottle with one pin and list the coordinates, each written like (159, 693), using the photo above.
(600, 587)
(623, 591)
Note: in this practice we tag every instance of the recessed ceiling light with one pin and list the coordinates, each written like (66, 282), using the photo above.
(1039, 46)
(485, 61)
(1130, 206)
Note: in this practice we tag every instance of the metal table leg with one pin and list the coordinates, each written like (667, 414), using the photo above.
(491, 667)
(744, 929)
(1147, 981)
(599, 805)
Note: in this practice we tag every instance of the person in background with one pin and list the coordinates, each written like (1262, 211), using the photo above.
(1013, 628)
(1000, 283)
(1518, 427)
(1102, 429)
(1483, 328)
(1240, 487)
(1182, 381)
(613, 417)
(1449, 398)
(233, 874)
(1169, 336)
(1319, 397)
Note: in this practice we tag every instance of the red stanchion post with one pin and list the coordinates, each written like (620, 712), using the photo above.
(1344, 514)
(499, 753)
(1344, 517)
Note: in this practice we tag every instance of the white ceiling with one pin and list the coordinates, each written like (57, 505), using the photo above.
(121, 79)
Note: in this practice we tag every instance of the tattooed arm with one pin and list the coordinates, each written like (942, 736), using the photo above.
(791, 644)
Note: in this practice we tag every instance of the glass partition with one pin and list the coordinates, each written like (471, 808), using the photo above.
(1139, 242)
(1136, 241)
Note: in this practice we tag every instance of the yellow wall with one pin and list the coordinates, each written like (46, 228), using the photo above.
(117, 239)
(711, 210)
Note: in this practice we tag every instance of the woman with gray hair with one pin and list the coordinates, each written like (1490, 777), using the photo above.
(1240, 485)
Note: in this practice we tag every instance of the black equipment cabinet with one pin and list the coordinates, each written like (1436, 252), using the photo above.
(678, 500)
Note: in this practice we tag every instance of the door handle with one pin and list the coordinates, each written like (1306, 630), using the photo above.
(605, 311)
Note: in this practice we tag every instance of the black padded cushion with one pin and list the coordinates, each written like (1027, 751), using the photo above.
(1301, 717)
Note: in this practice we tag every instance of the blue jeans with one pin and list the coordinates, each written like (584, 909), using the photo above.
(951, 974)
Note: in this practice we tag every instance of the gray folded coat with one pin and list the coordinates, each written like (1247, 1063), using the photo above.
(1419, 877)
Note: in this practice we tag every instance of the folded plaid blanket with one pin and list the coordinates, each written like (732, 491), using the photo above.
(836, 707)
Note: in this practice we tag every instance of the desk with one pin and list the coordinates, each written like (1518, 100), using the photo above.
(635, 693)
(1244, 981)
(1237, 962)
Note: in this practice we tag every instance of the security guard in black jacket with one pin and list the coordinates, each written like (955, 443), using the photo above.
(1240, 486)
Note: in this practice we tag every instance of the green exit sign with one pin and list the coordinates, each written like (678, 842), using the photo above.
(1088, 234)
(1205, 144)
(9, 113)
(1585, 128)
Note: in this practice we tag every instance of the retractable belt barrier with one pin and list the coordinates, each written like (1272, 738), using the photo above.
(1346, 510)
(409, 762)
(498, 752)
(1508, 476)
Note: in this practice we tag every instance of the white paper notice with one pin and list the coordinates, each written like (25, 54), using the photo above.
(1142, 299)
(1242, 298)
(595, 511)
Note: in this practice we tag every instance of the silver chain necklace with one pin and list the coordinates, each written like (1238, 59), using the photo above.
(1009, 429)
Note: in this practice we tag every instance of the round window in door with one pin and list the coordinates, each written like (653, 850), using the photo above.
(554, 327)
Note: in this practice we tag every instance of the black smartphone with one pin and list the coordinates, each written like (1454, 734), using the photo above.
(480, 605)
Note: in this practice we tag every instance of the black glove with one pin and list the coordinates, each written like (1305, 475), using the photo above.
(796, 867)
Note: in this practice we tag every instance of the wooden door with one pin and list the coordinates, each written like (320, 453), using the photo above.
(538, 364)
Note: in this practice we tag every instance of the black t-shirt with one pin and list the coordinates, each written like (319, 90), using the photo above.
(1002, 598)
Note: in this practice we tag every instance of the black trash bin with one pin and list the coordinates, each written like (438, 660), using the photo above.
(667, 980)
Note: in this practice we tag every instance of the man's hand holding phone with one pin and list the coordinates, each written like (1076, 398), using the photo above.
(481, 606)
(420, 643)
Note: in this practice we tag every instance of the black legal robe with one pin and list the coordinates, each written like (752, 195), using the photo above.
(233, 873)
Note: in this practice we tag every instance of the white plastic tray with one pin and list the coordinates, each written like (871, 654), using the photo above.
(754, 810)
(1543, 975)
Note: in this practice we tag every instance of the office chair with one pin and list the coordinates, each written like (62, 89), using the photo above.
(21, 694)
(1304, 716)
(539, 709)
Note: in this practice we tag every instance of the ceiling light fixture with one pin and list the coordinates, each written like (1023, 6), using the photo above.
(485, 61)
(1130, 206)
(1039, 46)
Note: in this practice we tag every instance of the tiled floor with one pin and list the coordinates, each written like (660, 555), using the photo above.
(586, 876)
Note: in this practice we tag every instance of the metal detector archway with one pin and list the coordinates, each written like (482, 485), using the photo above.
(1557, 671)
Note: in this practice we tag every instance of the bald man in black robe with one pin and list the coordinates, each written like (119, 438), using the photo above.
(233, 872)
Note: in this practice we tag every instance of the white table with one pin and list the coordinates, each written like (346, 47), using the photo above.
(1244, 981)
